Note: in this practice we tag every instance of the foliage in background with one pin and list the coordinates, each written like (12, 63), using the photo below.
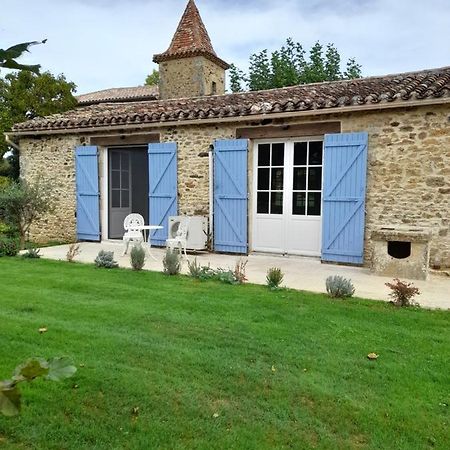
(274, 277)
(291, 66)
(228, 276)
(9, 56)
(339, 287)
(137, 257)
(25, 95)
(402, 293)
(9, 246)
(22, 203)
(105, 260)
(74, 250)
(153, 78)
(55, 369)
(172, 261)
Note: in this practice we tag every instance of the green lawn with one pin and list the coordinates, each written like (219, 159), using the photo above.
(281, 369)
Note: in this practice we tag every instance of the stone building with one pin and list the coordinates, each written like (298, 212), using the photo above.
(311, 170)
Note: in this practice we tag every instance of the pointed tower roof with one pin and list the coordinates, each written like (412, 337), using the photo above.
(190, 39)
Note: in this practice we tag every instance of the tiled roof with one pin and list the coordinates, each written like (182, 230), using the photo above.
(363, 93)
(119, 95)
(190, 39)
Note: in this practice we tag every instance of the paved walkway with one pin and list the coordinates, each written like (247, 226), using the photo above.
(300, 273)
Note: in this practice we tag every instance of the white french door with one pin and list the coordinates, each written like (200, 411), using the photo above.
(287, 196)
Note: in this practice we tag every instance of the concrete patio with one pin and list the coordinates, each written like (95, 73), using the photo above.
(300, 273)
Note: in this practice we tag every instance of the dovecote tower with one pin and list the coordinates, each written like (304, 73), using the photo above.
(190, 66)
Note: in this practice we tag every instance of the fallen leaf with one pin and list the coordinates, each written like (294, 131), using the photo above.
(273, 369)
(216, 415)
(43, 330)
(372, 356)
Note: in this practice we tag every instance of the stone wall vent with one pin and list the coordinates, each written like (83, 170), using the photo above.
(399, 249)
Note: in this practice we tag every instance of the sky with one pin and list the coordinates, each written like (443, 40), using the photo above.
(99, 44)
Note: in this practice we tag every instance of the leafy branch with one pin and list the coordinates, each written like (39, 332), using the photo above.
(8, 57)
(55, 369)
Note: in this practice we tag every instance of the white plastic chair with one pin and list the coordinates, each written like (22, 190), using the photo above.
(133, 232)
(180, 239)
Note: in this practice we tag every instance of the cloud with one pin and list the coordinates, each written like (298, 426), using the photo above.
(110, 43)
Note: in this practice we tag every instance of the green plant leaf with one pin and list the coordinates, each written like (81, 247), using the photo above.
(9, 399)
(60, 369)
(31, 369)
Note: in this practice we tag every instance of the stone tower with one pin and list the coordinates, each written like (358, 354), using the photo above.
(190, 66)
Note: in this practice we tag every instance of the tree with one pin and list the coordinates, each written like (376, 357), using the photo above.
(8, 57)
(22, 203)
(25, 95)
(152, 79)
(288, 67)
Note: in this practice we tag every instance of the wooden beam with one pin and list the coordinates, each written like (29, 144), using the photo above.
(125, 139)
(286, 131)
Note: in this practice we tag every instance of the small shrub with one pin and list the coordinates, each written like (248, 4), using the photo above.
(274, 277)
(7, 230)
(195, 269)
(105, 260)
(239, 271)
(32, 253)
(9, 246)
(74, 250)
(137, 257)
(225, 276)
(172, 262)
(402, 293)
(339, 287)
(4, 181)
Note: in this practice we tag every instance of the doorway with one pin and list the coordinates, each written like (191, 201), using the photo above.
(127, 186)
(287, 214)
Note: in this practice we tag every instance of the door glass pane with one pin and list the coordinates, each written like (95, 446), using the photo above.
(263, 203)
(298, 203)
(115, 160)
(314, 199)
(264, 155)
(299, 179)
(125, 180)
(263, 179)
(277, 154)
(300, 153)
(277, 179)
(315, 178)
(315, 153)
(115, 198)
(125, 198)
(115, 179)
(125, 160)
(276, 203)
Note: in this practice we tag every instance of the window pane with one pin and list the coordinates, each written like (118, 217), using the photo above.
(264, 155)
(314, 199)
(300, 152)
(315, 153)
(277, 154)
(125, 180)
(277, 179)
(115, 179)
(276, 203)
(115, 160)
(298, 203)
(315, 178)
(125, 199)
(263, 203)
(263, 179)
(115, 198)
(299, 178)
(125, 160)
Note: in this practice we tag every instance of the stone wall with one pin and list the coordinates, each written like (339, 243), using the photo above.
(408, 171)
(53, 159)
(190, 77)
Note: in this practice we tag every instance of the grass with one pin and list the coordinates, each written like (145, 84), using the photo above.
(160, 357)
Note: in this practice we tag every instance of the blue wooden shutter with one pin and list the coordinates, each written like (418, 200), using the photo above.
(230, 196)
(88, 210)
(162, 169)
(344, 190)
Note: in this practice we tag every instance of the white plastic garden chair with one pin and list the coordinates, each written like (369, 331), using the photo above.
(133, 224)
(180, 239)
